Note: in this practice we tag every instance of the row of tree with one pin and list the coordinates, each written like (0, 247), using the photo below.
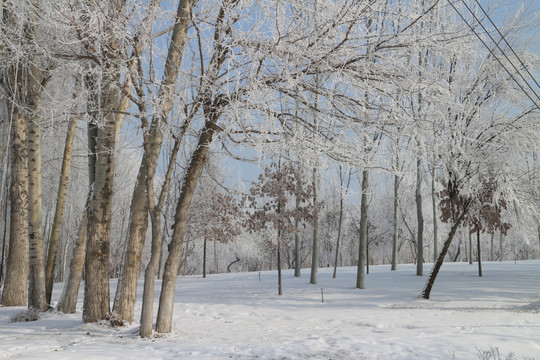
(156, 90)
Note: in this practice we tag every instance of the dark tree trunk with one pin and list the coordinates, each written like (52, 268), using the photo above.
(437, 266)
(479, 254)
(204, 259)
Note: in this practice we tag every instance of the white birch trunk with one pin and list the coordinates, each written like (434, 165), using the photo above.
(36, 288)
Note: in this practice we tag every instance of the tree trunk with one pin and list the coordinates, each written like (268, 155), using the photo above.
(367, 249)
(152, 267)
(96, 289)
(363, 232)
(198, 159)
(215, 257)
(4, 237)
(470, 247)
(280, 287)
(16, 283)
(54, 239)
(125, 305)
(395, 236)
(492, 248)
(340, 222)
(204, 258)
(297, 255)
(437, 266)
(479, 253)
(315, 249)
(435, 217)
(420, 220)
(68, 301)
(157, 241)
(36, 288)
(501, 245)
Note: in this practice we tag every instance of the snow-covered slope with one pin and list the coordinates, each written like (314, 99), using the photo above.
(240, 316)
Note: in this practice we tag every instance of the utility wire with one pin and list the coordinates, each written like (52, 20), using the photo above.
(492, 53)
(507, 44)
(501, 50)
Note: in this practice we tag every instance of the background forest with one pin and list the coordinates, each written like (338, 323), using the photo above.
(194, 137)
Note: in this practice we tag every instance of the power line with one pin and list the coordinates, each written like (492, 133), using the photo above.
(507, 44)
(492, 53)
(501, 50)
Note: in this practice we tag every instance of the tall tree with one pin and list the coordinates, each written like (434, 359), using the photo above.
(125, 303)
(54, 239)
(360, 272)
(108, 107)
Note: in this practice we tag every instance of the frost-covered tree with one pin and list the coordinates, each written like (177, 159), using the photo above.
(277, 202)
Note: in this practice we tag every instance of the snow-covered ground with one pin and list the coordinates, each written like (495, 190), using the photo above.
(240, 316)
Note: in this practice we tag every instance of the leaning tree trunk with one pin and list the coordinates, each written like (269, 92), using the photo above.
(36, 288)
(198, 159)
(340, 222)
(16, 283)
(360, 275)
(68, 301)
(59, 213)
(125, 305)
(437, 266)
(157, 235)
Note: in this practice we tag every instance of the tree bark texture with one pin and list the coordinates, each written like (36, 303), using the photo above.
(36, 288)
(198, 159)
(15, 291)
(96, 289)
(360, 275)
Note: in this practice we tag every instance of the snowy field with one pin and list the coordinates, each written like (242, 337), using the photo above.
(240, 316)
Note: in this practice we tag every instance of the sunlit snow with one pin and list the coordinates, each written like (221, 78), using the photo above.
(240, 316)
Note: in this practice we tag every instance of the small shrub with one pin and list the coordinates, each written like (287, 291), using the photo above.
(493, 354)
(31, 314)
(112, 319)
